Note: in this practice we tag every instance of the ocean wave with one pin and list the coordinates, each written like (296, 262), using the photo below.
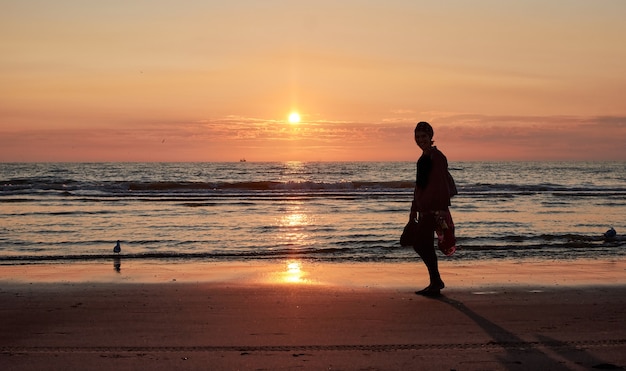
(332, 211)
(12, 188)
(268, 185)
(73, 188)
(581, 247)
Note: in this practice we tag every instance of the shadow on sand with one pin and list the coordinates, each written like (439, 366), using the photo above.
(522, 354)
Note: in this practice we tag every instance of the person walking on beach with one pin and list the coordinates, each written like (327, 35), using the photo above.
(431, 199)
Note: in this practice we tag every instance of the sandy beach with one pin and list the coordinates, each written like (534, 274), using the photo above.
(506, 315)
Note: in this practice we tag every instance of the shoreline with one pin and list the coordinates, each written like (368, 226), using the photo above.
(383, 275)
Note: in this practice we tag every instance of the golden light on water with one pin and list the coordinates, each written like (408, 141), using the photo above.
(295, 220)
(293, 225)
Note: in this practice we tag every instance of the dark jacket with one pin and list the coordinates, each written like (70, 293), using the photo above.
(432, 183)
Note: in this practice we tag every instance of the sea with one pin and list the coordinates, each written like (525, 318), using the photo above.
(312, 211)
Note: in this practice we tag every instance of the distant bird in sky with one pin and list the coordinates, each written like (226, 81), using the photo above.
(117, 247)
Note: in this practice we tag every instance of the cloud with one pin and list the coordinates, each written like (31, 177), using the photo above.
(537, 137)
(461, 137)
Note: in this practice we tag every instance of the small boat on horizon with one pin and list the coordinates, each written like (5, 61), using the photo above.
(242, 160)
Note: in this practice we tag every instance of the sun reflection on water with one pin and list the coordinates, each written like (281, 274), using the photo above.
(294, 220)
(293, 235)
(293, 226)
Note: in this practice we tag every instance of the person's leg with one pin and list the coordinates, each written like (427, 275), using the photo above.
(425, 248)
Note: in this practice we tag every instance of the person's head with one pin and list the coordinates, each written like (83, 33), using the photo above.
(424, 135)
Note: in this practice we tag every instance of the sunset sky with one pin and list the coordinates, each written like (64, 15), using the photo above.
(157, 80)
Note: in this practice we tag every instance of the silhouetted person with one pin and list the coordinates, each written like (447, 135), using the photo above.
(431, 198)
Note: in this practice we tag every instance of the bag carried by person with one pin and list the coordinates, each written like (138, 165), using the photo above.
(409, 234)
(452, 191)
(444, 228)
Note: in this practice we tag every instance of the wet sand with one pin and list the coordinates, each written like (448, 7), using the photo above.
(506, 315)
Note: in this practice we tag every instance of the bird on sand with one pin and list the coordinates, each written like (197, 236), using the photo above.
(117, 247)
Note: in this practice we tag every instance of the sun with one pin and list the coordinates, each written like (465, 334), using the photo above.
(294, 118)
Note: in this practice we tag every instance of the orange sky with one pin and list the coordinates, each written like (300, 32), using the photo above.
(156, 80)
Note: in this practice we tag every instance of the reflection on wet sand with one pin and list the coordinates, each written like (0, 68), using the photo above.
(293, 273)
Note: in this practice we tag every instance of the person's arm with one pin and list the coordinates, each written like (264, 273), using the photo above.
(413, 213)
